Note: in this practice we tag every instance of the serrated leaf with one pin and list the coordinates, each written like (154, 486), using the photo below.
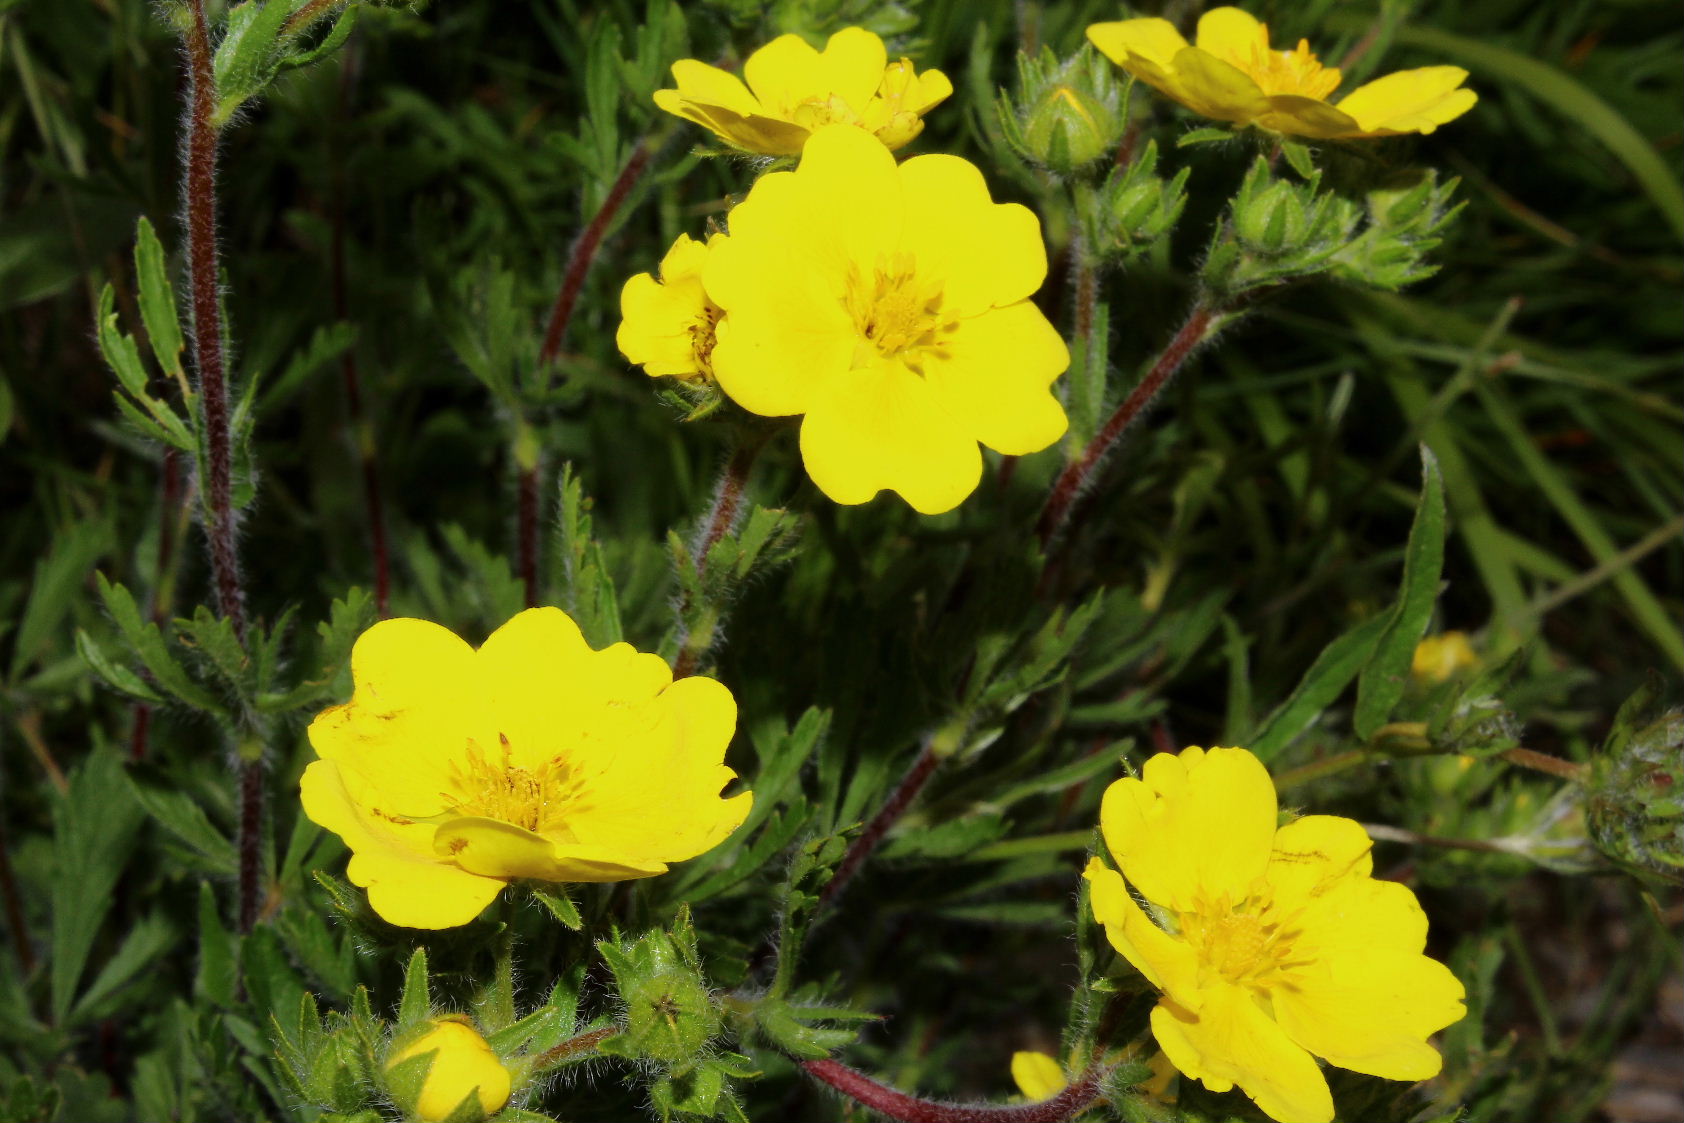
(146, 942)
(332, 41)
(1387, 673)
(148, 643)
(157, 299)
(117, 676)
(94, 823)
(178, 813)
(245, 58)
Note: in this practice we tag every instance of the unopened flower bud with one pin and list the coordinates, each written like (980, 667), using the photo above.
(463, 1065)
(1068, 114)
(1636, 791)
(670, 1015)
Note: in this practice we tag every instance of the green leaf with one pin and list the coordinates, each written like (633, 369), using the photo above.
(181, 815)
(332, 41)
(117, 676)
(145, 943)
(94, 824)
(1322, 684)
(1383, 680)
(561, 907)
(245, 59)
(157, 299)
(417, 1000)
(56, 589)
(218, 977)
(1203, 136)
(148, 643)
(1298, 156)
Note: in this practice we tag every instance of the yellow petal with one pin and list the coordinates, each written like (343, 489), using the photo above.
(1037, 1075)
(413, 708)
(1296, 115)
(1197, 824)
(933, 88)
(463, 1065)
(1410, 101)
(851, 66)
(994, 375)
(1231, 34)
(1154, 40)
(1217, 89)
(493, 848)
(1313, 853)
(782, 73)
(985, 254)
(1232, 1041)
(881, 426)
(1168, 963)
(1370, 1010)
(653, 793)
(708, 85)
(407, 885)
(655, 324)
(1355, 913)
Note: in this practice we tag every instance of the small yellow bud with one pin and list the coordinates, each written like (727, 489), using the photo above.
(1437, 658)
(463, 1064)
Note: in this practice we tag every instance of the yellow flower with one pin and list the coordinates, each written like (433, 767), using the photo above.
(453, 771)
(463, 1065)
(667, 326)
(1437, 658)
(1276, 944)
(1232, 74)
(890, 305)
(1037, 1075)
(794, 90)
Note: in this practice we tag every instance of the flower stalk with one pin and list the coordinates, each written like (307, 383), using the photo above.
(202, 137)
(722, 516)
(1203, 322)
(893, 808)
(895, 1104)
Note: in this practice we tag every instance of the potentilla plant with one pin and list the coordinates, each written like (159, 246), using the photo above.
(844, 784)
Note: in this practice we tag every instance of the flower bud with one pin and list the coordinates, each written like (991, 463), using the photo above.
(1636, 790)
(1438, 658)
(1068, 114)
(462, 1065)
(670, 1015)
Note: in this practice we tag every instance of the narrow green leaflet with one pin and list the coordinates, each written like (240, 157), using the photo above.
(1327, 678)
(1383, 680)
(157, 299)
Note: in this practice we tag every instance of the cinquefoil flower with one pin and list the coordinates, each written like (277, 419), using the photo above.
(1438, 658)
(793, 90)
(1232, 74)
(453, 771)
(890, 305)
(667, 325)
(1270, 944)
(463, 1065)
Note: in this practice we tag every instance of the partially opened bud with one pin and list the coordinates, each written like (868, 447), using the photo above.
(462, 1065)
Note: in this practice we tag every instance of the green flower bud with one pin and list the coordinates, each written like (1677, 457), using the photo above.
(461, 1066)
(1138, 207)
(1636, 790)
(1068, 114)
(670, 1015)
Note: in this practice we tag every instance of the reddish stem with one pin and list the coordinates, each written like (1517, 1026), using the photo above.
(213, 391)
(899, 800)
(583, 251)
(719, 521)
(1076, 474)
(899, 1106)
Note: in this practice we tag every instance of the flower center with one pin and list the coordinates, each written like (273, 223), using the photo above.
(703, 336)
(1243, 941)
(815, 113)
(1297, 71)
(531, 798)
(896, 313)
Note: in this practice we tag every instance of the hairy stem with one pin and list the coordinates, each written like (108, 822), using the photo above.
(905, 1108)
(720, 519)
(1544, 762)
(1202, 322)
(213, 391)
(572, 1047)
(893, 808)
